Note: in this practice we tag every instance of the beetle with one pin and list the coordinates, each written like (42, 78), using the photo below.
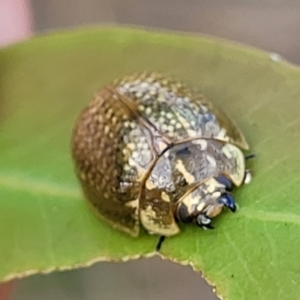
(150, 151)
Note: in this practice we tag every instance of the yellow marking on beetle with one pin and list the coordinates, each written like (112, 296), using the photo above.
(126, 124)
(135, 154)
(171, 128)
(161, 120)
(161, 146)
(227, 152)
(126, 153)
(131, 162)
(213, 186)
(109, 113)
(190, 202)
(161, 97)
(106, 129)
(114, 120)
(150, 185)
(201, 142)
(148, 220)
(165, 197)
(164, 127)
(144, 85)
(131, 146)
(141, 107)
(222, 135)
(100, 119)
(238, 176)
(191, 133)
(133, 203)
(169, 115)
(201, 206)
(193, 123)
(138, 95)
(211, 161)
(132, 124)
(148, 110)
(182, 120)
(140, 145)
(127, 168)
(187, 176)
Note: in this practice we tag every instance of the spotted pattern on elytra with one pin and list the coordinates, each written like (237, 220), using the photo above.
(176, 110)
(144, 148)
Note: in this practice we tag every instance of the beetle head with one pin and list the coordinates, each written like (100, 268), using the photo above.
(206, 202)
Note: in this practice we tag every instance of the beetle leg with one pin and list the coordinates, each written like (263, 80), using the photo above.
(208, 226)
(228, 201)
(159, 243)
(156, 212)
(247, 176)
(204, 221)
(225, 181)
(249, 156)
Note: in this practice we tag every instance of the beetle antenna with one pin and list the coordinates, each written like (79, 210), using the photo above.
(250, 156)
(160, 241)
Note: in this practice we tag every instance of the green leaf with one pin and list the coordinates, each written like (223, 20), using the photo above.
(44, 223)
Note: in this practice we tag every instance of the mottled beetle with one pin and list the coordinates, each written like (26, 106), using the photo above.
(149, 150)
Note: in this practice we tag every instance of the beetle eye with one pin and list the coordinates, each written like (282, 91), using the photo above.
(225, 181)
(183, 214)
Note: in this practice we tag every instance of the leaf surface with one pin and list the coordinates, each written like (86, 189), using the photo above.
(45, 224)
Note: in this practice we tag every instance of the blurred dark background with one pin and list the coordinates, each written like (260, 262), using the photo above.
(272, 25)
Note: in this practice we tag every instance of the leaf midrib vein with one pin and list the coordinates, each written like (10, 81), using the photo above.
(34, 186)
(23, 183)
